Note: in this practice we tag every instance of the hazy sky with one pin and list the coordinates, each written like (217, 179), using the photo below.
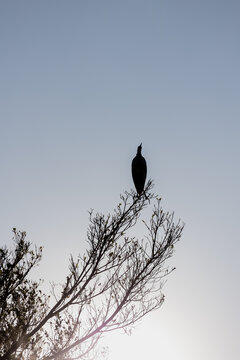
(82, 84)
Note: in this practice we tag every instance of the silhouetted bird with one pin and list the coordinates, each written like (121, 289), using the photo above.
(139, 170)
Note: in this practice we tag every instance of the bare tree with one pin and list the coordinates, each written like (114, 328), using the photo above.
(112, 286)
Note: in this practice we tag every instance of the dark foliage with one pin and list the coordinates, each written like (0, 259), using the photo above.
(112, 286)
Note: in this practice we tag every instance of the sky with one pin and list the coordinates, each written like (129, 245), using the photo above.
(83, 83)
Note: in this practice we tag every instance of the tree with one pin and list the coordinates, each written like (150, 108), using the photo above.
(112, 286)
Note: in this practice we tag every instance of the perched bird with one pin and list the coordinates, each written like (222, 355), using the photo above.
(139, 170)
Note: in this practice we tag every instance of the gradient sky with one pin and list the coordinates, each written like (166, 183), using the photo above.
(82, 84)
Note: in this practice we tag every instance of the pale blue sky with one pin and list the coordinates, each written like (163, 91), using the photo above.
(82, 84)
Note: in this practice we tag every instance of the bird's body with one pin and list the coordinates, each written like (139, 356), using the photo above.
(139, 170)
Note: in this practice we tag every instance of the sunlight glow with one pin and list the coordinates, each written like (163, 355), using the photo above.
(149, 340)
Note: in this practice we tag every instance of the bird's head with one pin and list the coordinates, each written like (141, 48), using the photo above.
(139, 149)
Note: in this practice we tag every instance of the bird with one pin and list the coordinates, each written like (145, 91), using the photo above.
(139, 170)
